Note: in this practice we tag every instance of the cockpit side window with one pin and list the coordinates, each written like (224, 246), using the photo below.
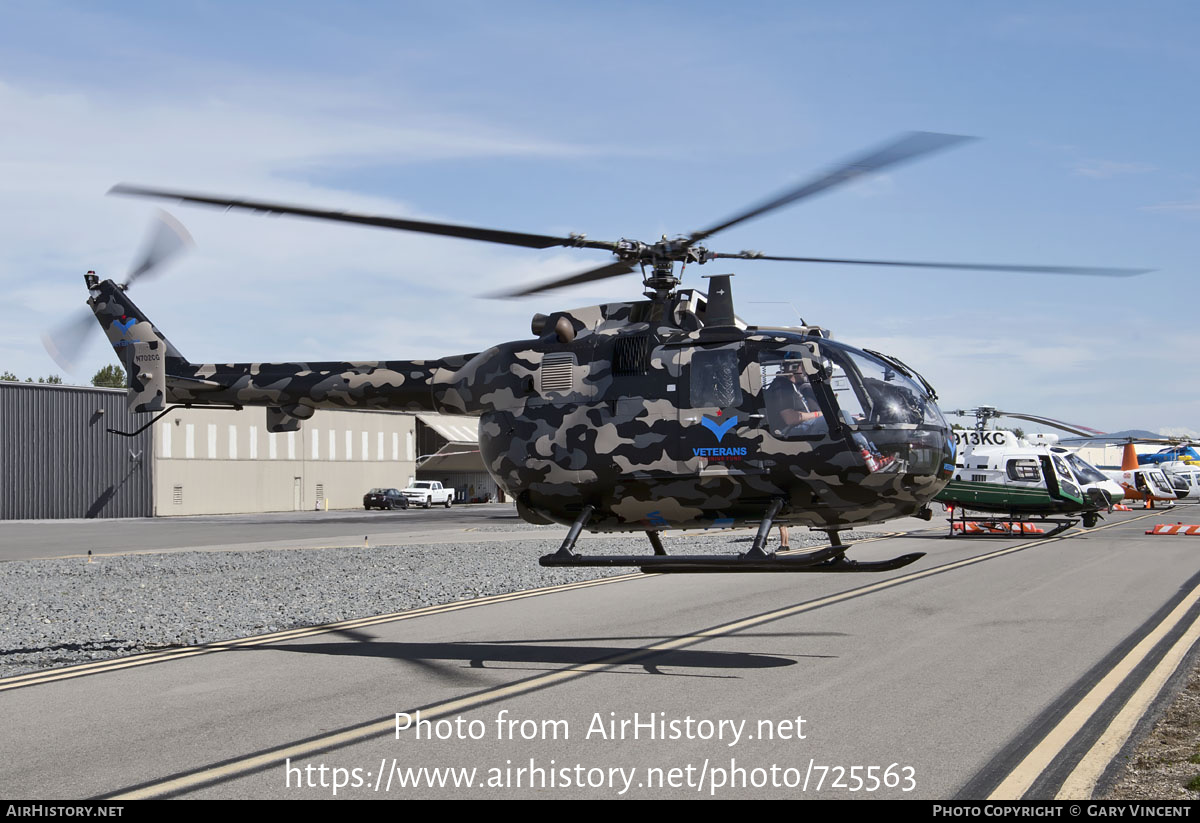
(790, 402)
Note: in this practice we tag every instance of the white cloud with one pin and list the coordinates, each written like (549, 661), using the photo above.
(1102, 169)
(1186, 207)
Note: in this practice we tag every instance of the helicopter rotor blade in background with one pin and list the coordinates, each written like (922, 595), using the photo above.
(599, 273)
(986, 413)
(166, 239)
(509, 238)
(907, 147)
(1112, 439)
(1082, 431)
(1080, 270)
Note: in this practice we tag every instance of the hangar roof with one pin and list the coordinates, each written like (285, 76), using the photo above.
(457, 428)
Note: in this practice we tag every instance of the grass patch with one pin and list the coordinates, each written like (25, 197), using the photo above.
(1193, 785)
(1194, 758)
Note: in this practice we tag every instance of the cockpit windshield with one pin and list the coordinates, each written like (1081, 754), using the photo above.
(818, 389)
(1085, 471)
(889, 396)
(867, 392)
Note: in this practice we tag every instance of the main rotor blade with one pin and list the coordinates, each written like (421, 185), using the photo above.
(1082, 431)
(1083, 270)
(510, 238)
(1116, 439)
(166, 238)
(907, 147)
(600, 273)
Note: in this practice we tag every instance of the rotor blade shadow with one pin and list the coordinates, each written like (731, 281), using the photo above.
(470, 653)
(659, 637)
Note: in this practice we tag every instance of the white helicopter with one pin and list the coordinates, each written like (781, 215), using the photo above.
(1149, 482)
(1181, 464)
(1010, 478)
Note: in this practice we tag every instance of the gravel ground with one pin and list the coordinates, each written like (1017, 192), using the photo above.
(1168, 759)
(65, 611)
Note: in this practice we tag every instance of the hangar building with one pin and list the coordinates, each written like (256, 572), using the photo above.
(57, 459)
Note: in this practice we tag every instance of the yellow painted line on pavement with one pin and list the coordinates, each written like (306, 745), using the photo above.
(1023, 776)
(1082, 781)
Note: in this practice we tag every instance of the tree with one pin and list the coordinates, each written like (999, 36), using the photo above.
(110, 376)
(9, 376)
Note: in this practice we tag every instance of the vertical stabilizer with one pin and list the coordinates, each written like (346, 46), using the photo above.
(1129, 459)
(143, 350)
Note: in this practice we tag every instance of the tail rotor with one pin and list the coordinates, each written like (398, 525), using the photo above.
(165, 240)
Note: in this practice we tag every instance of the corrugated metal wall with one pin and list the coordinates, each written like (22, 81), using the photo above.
(57, 460)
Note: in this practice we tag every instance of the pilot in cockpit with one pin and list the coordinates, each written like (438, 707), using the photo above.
(792, 407)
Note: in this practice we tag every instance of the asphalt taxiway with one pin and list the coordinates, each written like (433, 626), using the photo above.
(991, 667)
(36, 539)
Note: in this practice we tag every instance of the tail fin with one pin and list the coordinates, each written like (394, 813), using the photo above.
(143, 350)
(1129, 458)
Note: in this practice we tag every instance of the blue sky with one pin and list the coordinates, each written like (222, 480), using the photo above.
(623, 119)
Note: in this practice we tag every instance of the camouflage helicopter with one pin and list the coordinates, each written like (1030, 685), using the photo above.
(665, 412)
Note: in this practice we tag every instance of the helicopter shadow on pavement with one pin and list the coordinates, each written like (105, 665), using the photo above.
(511, 655)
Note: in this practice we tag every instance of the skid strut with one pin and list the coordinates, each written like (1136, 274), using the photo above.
(826, 559)
(566, 550)
(984, 525)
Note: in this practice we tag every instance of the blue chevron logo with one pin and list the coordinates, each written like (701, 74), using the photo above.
(719, 429)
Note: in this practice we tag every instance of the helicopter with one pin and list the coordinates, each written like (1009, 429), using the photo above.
(1152, 482)
(1181, 464)
(1184, 479)
(1179, 453)
(668, 412)
(1013, 478)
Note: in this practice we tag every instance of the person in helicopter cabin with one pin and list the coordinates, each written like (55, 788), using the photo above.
(792, 407)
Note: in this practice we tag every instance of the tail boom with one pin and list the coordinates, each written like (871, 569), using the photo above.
(158, 374)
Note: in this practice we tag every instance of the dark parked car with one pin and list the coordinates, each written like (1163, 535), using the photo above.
(384, 499)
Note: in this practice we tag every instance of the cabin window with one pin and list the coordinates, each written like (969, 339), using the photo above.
(1024, 470)
(715, 379)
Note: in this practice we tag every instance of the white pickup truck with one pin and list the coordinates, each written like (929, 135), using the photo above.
(425, 493)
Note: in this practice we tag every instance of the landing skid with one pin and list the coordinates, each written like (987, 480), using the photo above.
(830, 559)
(1011, 526)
